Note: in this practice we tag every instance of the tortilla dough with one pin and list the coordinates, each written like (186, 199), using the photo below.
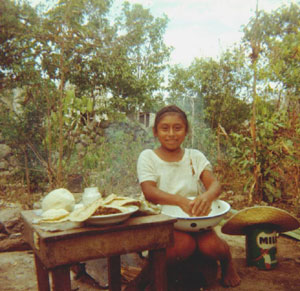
(59, 199)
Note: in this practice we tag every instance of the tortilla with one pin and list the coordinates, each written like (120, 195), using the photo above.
(109, 199)
(119, 201)
(124, 202)
(83, 213)
(54, 214)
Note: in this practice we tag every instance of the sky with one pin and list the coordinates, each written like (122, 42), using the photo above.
(203, 28)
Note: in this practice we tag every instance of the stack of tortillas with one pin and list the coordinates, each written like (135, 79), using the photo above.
(59, 206)
(279, 219)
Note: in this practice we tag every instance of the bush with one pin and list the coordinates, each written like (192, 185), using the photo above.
(277, 157)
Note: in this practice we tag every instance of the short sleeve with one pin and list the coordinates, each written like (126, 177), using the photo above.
(146, 167)
(209, 168)
(200, 162)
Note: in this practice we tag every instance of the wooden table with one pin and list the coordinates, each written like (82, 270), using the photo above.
(56, 251)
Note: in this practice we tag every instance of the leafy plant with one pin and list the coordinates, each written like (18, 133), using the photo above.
(277, 156)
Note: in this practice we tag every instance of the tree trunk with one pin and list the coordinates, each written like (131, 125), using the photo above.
(254, 145)
(60, 118)
(27, 174)
(255, 45)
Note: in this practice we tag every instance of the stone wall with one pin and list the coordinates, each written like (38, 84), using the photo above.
(11, 228)
(92, 133)
(8, 163)
(11, 225)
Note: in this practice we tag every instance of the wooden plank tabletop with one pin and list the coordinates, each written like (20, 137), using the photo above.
(90, 242)
(132, 223)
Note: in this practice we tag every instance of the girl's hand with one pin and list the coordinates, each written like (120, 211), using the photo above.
(185, 205)
(201, 205)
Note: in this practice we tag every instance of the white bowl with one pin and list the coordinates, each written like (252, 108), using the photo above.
(195, 224)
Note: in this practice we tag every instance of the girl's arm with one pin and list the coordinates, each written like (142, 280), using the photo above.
(157, 196)
(201, 205)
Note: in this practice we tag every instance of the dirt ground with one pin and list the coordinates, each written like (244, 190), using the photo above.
(17, 271)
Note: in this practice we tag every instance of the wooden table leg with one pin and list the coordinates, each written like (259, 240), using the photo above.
(158, 267)
(42, 275)
(61, 278)
(114, 273)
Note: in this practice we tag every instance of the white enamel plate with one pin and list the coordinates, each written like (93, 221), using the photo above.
(112, 218)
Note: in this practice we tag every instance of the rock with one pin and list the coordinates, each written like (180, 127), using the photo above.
(3, 236)
(8, 214)
(11, 227)
(10, 220)
(14, 226)
(15, 235)
(13, 244)
(2, 228)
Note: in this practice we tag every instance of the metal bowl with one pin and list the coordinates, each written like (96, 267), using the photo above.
(195, 224)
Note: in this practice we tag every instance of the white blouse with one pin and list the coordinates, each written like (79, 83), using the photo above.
(180, 177)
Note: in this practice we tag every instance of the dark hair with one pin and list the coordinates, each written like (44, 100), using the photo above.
(172, 109)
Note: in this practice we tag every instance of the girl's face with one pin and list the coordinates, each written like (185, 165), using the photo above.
(171, 131)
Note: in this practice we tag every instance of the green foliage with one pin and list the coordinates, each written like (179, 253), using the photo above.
(275, 37)
(213, 91)
(277, 155)
(260, 154)
(76, 65)
(21, 119)
(114, 65)
(142, 54)
(18, 46)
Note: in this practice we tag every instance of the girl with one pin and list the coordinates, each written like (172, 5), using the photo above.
(170, 174)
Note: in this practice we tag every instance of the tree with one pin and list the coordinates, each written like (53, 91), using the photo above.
(279, 52)
(266, 38)
(137, 75)
(22, 106)
(255, 35)
(112, 66)
(219, 89)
